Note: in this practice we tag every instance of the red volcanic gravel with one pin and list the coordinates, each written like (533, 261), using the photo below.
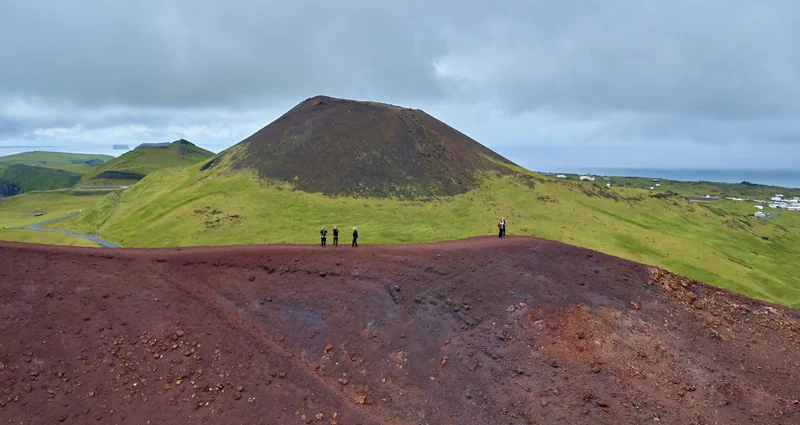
(479, 331)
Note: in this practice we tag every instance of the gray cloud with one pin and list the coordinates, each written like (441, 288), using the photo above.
(526, 77)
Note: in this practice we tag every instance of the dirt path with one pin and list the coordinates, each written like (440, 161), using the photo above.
(98, 241)
(479, 331)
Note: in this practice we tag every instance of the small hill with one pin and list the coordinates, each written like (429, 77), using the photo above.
(346, 147)
(75, 162)
(20, 178)
(132, 166)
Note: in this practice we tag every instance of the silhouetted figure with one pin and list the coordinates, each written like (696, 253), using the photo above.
(324, 234)
(355, 238)
(335, 237)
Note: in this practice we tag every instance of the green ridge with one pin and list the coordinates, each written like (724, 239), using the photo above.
(131, 166)
(75, 162)
(20, 178)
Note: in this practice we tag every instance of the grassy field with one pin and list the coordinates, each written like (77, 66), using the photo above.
(75, 162)
(142, 161)
(20, 210)
(31, 236)
(721, 246)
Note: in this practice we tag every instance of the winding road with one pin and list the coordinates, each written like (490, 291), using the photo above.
(37, 227)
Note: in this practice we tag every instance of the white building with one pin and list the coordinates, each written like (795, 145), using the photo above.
(658, 184)
(587, 178)
(760, 214)
(608, 184)
(561, 176)
(761, 207)
(652, 188)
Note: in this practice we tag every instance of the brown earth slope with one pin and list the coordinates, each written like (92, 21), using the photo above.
(481, 331)
(338, 146)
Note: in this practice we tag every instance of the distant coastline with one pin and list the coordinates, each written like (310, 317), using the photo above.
(783, 178)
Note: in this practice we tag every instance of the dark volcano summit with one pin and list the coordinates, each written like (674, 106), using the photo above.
(345, 147)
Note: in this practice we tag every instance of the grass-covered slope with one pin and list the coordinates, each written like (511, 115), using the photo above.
(132, 166)
(215, 207)
(75, 162)
(19, 178)
(49, 238)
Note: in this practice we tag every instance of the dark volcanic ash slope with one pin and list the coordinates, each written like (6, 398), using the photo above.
(482, 331)
(348, 147)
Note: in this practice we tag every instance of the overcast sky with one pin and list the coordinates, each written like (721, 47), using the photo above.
(553, 85)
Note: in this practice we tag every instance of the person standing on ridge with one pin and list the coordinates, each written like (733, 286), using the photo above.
(335, 237)
(502, 227)
(355, 238)
(324, 234)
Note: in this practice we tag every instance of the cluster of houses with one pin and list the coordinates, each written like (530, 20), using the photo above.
(778, 202)
(584, 177)
(781, 202)
(581, 177)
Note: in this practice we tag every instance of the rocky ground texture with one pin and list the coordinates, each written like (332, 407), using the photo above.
(480, 331)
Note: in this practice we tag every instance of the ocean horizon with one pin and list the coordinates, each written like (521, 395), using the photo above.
(782, 178)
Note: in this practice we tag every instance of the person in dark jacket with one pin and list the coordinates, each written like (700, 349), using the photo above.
(355, 238)
(502, 227)
(324, 234)
(335, 237)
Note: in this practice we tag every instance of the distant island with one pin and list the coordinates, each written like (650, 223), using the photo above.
(121, 147)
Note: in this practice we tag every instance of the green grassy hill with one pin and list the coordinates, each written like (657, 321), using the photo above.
(132, 166)
(75, 162)
(215, 207)
(19, 178)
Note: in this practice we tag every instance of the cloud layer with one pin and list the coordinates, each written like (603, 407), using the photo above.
(681, 83)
